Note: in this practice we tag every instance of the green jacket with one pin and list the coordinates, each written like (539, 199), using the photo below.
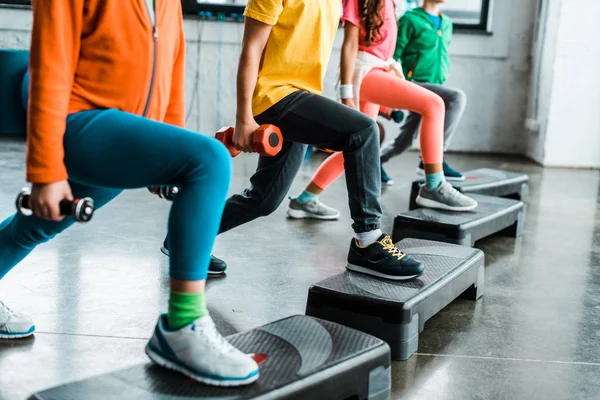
(421, 49)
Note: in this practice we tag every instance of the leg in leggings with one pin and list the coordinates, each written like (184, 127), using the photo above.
(268, 187)
(436, 193)
(455, 101)
(311, 119)
(142, 153)
(109, 150)
(402, 95)
(19, 235)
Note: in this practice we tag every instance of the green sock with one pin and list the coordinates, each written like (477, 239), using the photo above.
(185, 308)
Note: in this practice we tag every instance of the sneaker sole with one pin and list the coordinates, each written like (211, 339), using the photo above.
(388, 183)
(21, 335)
(299, 214)
(367, 271)
(166, 253)
(421, 172)
(165, 363)
(426, 203)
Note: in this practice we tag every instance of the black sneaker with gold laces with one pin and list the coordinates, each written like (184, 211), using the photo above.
(383, 259)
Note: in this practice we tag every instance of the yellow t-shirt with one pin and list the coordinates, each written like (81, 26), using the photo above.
(298, 49)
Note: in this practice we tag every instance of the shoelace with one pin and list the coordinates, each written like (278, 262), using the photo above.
(217, 339)
(4, 309)
(319, 207)
(314, 205)
(391, 248)
(450, 190)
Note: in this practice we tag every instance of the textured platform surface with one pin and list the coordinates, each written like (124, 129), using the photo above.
(485, 178)
(305, 358)
(492, 215)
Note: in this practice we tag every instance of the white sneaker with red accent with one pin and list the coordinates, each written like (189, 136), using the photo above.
(199, 351)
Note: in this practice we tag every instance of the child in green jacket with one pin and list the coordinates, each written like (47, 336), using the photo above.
(424, 35)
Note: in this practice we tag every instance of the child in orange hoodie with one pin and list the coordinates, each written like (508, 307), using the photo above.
(106, 113)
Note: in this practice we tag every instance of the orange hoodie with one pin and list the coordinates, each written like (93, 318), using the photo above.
(97, 54)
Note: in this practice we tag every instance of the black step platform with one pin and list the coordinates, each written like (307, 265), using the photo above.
(492, 215)
(492, 182)
(396, 311)
(306, 358)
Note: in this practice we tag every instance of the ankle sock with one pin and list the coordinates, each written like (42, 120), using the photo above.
(185, 308)
(433, 181)
(366, 238)
(305, 197)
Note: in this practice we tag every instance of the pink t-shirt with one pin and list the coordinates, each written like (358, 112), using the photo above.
(383, 46)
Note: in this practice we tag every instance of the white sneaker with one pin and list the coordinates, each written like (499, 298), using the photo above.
(14, 325)
(312, 210)
(199, 351)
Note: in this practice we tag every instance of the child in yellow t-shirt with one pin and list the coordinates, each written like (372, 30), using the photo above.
(285, 51)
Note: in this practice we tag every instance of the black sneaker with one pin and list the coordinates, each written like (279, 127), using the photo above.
(383, 259)
(216, 266)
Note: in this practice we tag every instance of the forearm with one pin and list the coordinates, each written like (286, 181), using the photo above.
(349, 52)
(247, 75)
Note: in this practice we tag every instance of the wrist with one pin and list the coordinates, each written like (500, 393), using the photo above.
(346, 91)
(244, 117)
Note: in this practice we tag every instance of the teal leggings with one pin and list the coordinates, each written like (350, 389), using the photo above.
(107, 151)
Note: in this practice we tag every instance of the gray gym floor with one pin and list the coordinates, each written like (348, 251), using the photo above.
(95, 292)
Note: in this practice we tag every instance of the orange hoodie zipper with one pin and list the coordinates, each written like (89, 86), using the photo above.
(154, 39)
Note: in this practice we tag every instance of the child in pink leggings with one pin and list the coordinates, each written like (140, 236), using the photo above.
(370, 79)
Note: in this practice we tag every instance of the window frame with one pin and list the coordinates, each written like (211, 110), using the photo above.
(193, 7)
(484, 24)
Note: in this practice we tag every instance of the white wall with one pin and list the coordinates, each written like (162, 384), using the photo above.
(573, 131)
(492, 70)
(569, 89)
(542, 77)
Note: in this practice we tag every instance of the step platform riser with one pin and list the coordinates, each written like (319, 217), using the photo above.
(493, 215)
(306, 358)
(356, 300)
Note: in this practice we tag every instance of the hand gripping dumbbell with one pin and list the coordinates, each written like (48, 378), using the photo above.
(397, 116)
(169, 192)
(267, 140)
(82, 210)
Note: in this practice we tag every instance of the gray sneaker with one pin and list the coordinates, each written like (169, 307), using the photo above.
(445, 197)
(312, 210)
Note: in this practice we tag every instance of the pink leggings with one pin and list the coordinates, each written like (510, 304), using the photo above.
(383, 89)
